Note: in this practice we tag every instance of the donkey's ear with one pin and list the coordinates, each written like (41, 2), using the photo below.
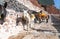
(5, 4)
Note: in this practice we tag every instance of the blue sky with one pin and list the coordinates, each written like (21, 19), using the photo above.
(57, 3)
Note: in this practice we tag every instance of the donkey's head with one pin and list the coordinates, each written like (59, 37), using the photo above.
(25, 13)
(5, 4)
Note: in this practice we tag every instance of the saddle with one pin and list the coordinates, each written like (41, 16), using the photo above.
(42, 15)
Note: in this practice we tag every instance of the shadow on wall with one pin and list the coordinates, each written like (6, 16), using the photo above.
(56, 23)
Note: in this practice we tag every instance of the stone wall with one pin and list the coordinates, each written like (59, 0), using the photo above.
(18, 5)
(15, 5)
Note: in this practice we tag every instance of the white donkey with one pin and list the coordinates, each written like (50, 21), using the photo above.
(26, 19)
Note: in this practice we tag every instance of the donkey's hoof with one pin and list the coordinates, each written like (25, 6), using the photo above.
(25, 29)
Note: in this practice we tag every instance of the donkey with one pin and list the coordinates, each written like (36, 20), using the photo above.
(39, 16)
(3, 12)
(25, 19)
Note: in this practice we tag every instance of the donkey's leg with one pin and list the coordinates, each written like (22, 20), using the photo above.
(32, 24)
(17, 23)
(27, 27)
(39, 20)
(47, 19)
(23, 27)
